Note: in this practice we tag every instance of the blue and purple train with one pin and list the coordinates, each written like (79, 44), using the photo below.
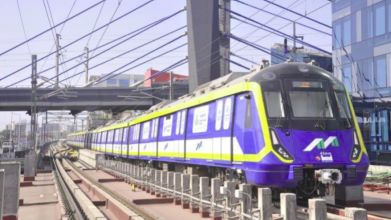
(289, 125)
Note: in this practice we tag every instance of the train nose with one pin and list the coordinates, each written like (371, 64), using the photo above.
(329, 176)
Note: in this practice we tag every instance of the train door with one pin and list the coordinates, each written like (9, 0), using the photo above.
(247, 137)
(223, 130)
(124, 142)
(179, 126)
(134, 140)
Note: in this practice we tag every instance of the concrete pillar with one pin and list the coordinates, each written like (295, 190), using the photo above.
(349, 195)
(356, 213)
(230, 196)
(136, 168)
(157, 182)
(163, 182)
(204, 42)
(195, 192)
(177, 188)
(11, 189)
(185, 180)
(143, 177)
(216, 197)
(204, 195)
(246, 202)
(265, 203)
(30, 166)
(288, 206)
(152, 181)
(317, 209)
(170, 182)
(2, 181)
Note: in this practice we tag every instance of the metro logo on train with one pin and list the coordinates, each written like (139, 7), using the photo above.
(320, 143)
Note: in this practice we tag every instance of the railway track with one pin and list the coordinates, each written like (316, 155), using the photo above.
(71, 205)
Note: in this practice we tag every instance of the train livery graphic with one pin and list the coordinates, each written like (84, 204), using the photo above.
(290, 125)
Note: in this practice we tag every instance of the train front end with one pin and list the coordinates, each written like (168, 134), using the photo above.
(313, 130)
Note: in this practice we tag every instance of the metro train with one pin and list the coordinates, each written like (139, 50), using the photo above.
(287, 126)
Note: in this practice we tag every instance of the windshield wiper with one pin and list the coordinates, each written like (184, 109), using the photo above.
(323, 112)
(278, 123)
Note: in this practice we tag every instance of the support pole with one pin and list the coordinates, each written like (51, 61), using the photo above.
(57, 60)
(171, 88)
(34, 102)
(86, 63)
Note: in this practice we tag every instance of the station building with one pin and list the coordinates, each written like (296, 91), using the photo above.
(362, 60)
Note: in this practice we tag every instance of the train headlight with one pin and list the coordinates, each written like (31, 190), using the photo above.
(277, 147)
(356, 148)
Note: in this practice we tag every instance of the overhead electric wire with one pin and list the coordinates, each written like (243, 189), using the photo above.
(256, 46)
(296, 13)
(243, 58)
(113, 74)
(171, 67)
(143, 56)
(282, 17)
(132, 33)
(53, 30)
(129, 35)
(62, 28)
(96, 22)
(128, 51)
(43, 32)
(82, 37)
(268, 21)
(237, 64)
(23, 26)
(283, 26)
(105, 30)
(274, 31)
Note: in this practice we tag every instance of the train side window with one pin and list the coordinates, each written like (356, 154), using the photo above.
(124, 135)
(183, 122)
(119, 135)
(136, 131)
(178, 122)
(248, 114)
(146, 128)
(227, 112)
(156, 127)
(167, 126)
(200, 119)
(152, 128)
(219, 114)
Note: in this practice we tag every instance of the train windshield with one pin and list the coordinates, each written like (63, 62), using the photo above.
(310, 104)
(309, 100)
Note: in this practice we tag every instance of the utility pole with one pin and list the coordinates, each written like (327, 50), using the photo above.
(296, 37)
(86, 63)
(58, 36)
(224, 28)
(34, 102)
(171, 88)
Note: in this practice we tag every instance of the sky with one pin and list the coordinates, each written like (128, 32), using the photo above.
(33, 18)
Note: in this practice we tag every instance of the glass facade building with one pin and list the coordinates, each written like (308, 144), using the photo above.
(362, 60)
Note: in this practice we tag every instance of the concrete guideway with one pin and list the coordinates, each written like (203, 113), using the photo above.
(84, 207)
(161, 190)
(39, 199)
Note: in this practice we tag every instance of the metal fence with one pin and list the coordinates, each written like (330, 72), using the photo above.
(219, 199)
